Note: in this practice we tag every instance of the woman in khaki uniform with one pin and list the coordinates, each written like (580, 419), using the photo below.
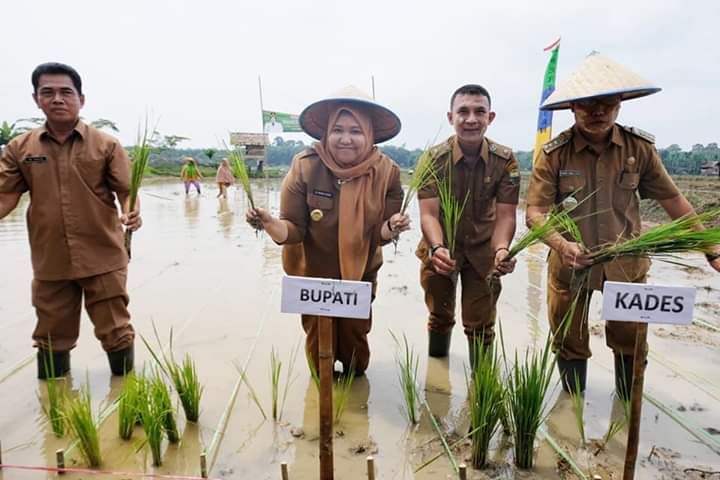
(339, 204)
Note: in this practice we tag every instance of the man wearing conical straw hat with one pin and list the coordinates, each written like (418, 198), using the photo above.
(602, 169)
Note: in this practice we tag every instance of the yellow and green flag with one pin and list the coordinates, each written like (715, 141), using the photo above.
(544, 125)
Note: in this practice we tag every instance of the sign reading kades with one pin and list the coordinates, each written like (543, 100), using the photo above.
(640, 302)
(324, 296)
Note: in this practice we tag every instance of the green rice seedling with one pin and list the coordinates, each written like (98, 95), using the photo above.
(528, 383)
(441, 436)
(239, 168)
(422, 175)
(677, 236)
(451, 209)
(184, 377)
(578, 403)
(275, 371)
(128, 405)
(82, 425)
(55, 395)
(140, 156)
(253, 393)
(486, 396)
(616, 425)
(160, 394)
(313, 370)
(341, 391)
(451, 446)
(152, 416)
(407, 364)
(289, 379)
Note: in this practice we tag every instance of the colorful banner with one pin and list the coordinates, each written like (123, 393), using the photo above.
(278, 122)
(544, 126)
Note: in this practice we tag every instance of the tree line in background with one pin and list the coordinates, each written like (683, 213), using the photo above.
(167, 153)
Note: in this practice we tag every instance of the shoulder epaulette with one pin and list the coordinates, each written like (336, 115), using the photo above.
(308, 152)
(440, 150)
(557, 142)
(640, 133)
(500, 150)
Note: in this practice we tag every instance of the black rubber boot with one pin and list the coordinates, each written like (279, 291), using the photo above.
(122, 361)
(60, 364)
(624, 365)
(472, 342)
(573, 374)
(438, 343)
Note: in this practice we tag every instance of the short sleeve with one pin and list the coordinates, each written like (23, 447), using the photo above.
(509, 188)
(293, 203)
(118, 172)
(393, 203)
(655, 182)
(12, 179)
(542, 190)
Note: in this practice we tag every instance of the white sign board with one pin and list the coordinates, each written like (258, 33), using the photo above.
(327, 297)
(640, 302)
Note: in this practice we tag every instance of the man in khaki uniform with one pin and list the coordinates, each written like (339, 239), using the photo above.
(73, 173)
(486, 173)
(611, 167)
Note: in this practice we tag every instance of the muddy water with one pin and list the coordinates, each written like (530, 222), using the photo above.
(198, 269)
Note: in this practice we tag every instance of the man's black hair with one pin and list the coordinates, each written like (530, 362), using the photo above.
(470, 89)
(54, 68)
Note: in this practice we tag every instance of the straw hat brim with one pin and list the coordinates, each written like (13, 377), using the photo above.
(314, 119)
(624, 95)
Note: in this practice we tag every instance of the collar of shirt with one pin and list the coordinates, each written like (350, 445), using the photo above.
(458, 155)
(80, 128)
(579, 142)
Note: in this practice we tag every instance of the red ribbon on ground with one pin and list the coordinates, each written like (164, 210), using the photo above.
(99, 472)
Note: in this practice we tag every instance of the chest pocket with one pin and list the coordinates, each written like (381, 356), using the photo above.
(571, 185)
(625, 196)
(320, 201)
(485, 189)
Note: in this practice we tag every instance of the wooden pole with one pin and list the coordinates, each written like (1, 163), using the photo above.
(262, 120)
(373, 86)
(325, 354)
(284, 471)
(60, 460)
(0, 456)
(463, 471)
(203, 465)
(371, 467)
(633, 439)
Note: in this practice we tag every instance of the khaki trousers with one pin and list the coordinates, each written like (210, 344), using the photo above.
(478, 297)
(58, 303)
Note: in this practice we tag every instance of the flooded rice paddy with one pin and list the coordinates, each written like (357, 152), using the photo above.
(200, 270)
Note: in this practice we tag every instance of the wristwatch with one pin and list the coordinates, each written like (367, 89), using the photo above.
(435, 247)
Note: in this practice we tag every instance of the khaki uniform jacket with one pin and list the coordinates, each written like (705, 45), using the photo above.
(73, 223)
(613, 183)
(310, 187)
(494, 177)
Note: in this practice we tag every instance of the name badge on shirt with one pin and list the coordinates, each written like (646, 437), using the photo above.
(570, 173)
(37, 159)
(321, 193)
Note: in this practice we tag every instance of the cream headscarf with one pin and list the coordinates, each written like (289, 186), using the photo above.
(362, 194)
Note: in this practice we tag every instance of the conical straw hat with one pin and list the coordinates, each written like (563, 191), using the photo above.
(598, 76)
(314, 119)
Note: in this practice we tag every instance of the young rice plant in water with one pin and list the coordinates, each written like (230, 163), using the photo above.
(129, 404)
(55, 395)
(152, 417)
(160, 394)
(82, 425)
(407, 364)
(578, 403)
(341, 391)
(486, 396)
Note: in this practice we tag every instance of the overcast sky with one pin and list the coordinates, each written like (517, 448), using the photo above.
(195, 64)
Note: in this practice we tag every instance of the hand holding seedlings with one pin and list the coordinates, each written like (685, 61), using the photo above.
(574, 256)
(395, 225)
(442, 261)
(261, 219)
(131, 220)
(503, 265)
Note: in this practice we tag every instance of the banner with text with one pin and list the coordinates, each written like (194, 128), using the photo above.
(278, 122)
(641, 302)
(327, 297)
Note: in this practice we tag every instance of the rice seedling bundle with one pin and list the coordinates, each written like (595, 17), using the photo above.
(140, 156)
(152, 414)
(240, 170)
(159, 393)
(82, 425)
(451, 209)
(407, 364)
(677, 236)
(341, 391)
(486, 396)
(253, 393)
(129, 405)
(422, 175)
(278, 403)
(55, 395)
(528, 383)
(556, 221)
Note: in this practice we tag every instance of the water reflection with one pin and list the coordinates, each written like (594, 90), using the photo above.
(534, 293)
(225, 216)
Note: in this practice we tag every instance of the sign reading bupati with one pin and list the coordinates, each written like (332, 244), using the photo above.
(327, 297)
(640, 302)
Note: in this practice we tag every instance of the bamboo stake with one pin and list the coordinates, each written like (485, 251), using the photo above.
(325, 355)
(60, 460)
(371, 467)
(203, 465)
(463, 471)
(1, 456)
(633, 439)
(284, 471)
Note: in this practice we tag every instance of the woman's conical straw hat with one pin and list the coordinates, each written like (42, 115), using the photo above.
(598, 76)
(314, 119)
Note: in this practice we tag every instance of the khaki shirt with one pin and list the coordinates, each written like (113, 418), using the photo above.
(493, 177)
(628, 169)
(72, 219)
(308, 186)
